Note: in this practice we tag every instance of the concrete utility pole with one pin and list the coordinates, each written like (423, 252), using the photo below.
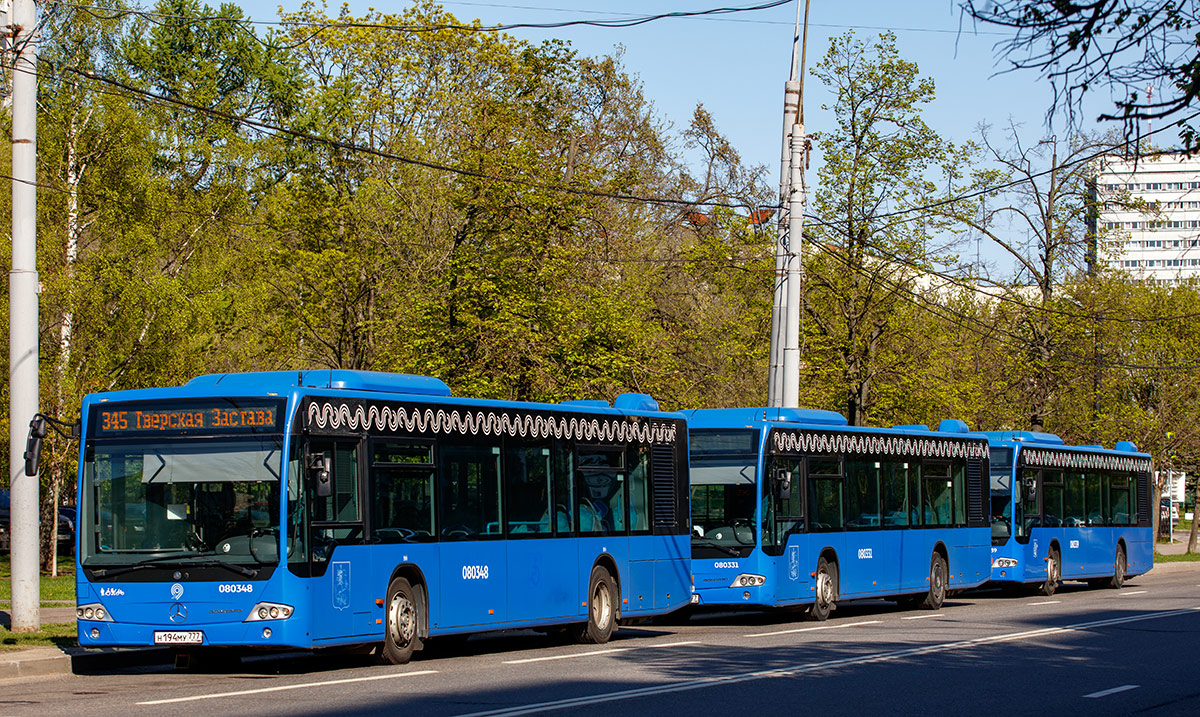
(785, 311)
(23, 320)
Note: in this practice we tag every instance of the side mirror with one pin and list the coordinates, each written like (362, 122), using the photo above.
(1030, 488)
(783, 484)
(33, 444)
(320, 470)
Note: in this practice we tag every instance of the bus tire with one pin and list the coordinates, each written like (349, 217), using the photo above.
(602, 608)
(1053, 573)
(1119, 566)
(403, 619)
(938, 579)
(826, 591)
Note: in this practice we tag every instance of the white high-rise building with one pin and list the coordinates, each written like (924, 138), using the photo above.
(1162, 246)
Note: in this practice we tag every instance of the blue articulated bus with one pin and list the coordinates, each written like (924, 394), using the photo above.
(1064, 512)
(792, 507)
(334, 508)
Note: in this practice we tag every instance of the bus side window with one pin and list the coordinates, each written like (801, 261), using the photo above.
(894, 499)
(639, 489)
(402, 485)
(468, 492)
(527, 482)
(336, 518)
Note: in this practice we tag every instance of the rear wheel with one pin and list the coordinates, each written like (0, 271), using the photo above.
(1053, 574)
(602, 608)
(826, 591)
(1119, 565)
(403, 617)
(938, 581)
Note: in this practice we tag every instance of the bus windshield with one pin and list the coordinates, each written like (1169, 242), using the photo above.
(724, 470)
(181, 498)
(1001, 484)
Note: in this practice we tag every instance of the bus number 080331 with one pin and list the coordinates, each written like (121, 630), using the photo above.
(475, 572)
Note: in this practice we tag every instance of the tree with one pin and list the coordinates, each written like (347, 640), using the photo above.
(1119, 45)
(880, 160)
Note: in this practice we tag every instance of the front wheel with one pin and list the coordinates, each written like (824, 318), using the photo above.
(1053, 574)
(403, 617)
(602, 608)
(826, 589)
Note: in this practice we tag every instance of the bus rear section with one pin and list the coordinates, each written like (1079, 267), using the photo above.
(373, 509)
(1063, 512)
(792, 507)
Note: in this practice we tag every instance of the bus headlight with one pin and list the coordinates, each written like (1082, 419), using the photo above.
(269, 611)
(746, 580)
(1004, 563)
(94, 612)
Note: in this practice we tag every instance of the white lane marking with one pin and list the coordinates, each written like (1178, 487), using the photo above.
(282, 688)
(1113, 691)
(1045, 602)
(810, 629)
(1135, 592)
(919, 617)
(707, 682)
(600, 652)
(567, 657)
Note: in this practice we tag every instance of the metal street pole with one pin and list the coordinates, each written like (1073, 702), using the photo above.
(23, 321)
(791, 108)
(793, 112)
(791, 345)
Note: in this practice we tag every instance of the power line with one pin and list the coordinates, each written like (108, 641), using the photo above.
(624, 22)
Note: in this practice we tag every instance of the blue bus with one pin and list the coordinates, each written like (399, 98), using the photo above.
(792, 507)
(335, 508)
(1064, 512)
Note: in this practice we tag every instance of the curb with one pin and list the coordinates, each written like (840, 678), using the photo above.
(35, 662)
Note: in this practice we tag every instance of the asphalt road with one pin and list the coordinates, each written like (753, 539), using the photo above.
(1135, 650)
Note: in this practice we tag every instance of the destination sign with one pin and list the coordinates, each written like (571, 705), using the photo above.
(121, 420)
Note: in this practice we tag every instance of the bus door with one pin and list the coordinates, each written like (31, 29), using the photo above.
(541, 553)
(867, 566)
(342, 601)
(784, 531)
(474, 559)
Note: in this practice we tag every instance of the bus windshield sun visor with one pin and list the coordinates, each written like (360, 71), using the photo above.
(215, 466)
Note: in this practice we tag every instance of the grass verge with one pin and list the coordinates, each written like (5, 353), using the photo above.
(55, 634)
(61, 588)
(1184, 558)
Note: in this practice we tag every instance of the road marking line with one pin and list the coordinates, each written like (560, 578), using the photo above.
(1113, 691)
(1135, 592)
(810, 629)
(674, 644)
(282, 688)
(1046, 602)
(567, 657)
(707, 682)
(919, 617)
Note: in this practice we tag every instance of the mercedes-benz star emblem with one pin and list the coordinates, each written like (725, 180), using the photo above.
(177, 612)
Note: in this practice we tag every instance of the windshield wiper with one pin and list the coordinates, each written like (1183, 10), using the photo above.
(177, 560)
(735, 552)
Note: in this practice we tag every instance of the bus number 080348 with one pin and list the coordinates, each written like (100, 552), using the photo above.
(475, 572)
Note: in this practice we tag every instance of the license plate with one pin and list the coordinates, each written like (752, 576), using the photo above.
(178, 637)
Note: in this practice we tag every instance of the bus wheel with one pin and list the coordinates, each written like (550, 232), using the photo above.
(826, 589)
(1053, 574)
(937, 583)
(1119, 565)
(403, 616)
(602, 612)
